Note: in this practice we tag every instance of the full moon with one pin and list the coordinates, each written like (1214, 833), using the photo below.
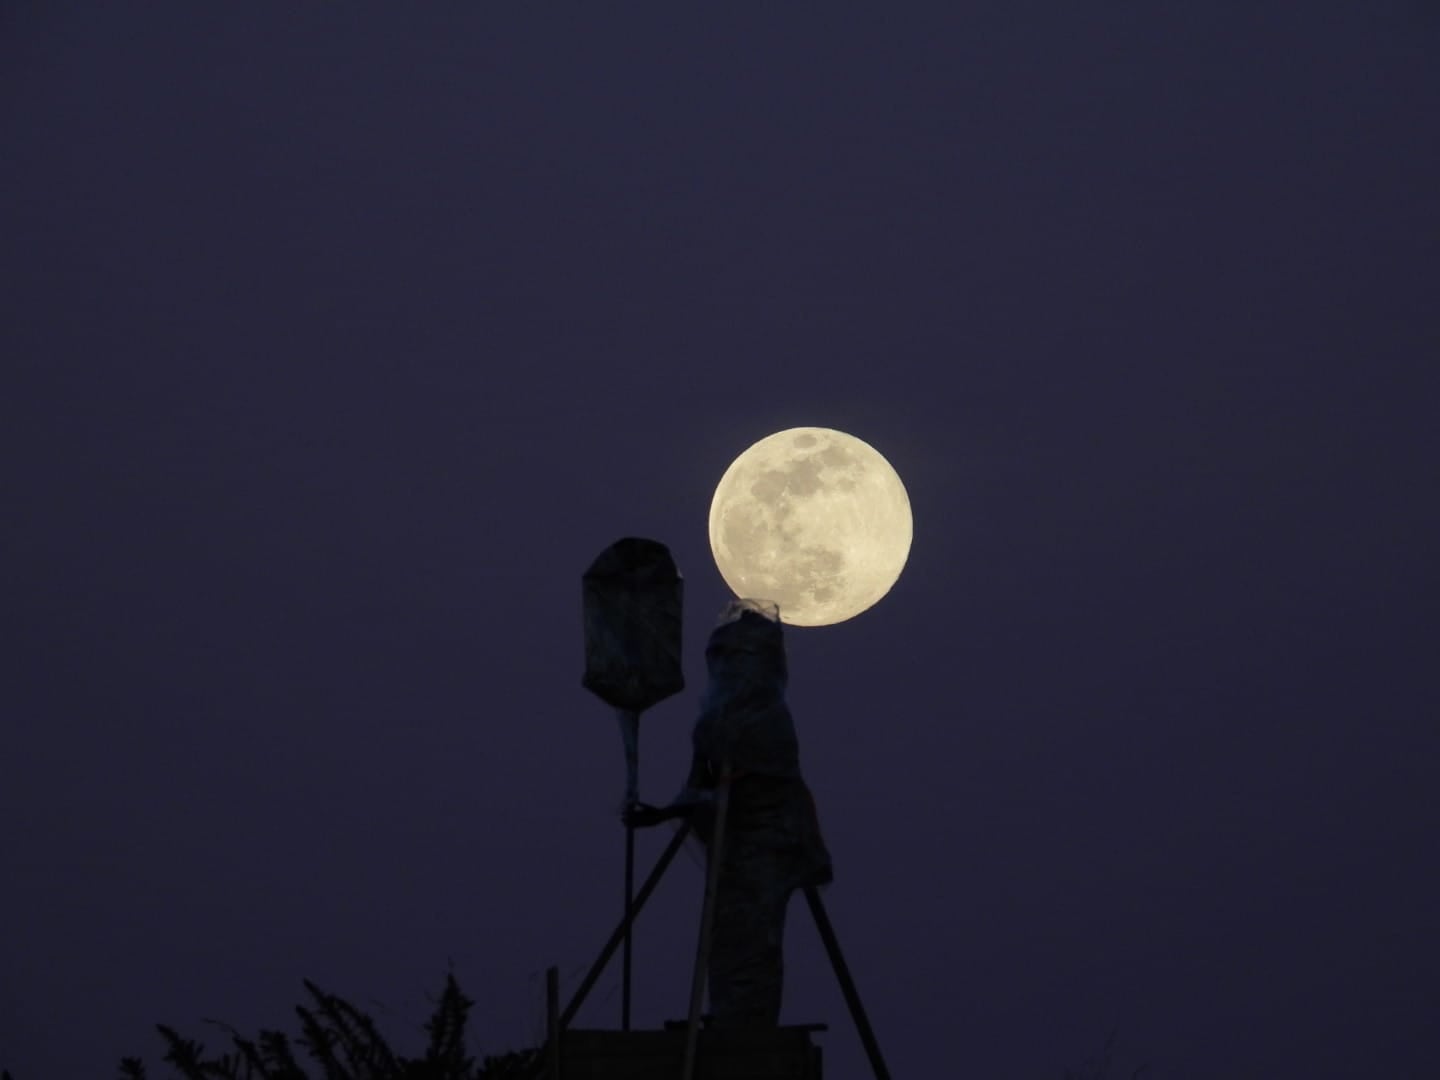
(814, 520)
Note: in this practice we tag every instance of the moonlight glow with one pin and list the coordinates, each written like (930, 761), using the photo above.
(813, 519)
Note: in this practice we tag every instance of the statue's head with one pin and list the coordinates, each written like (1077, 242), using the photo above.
(747, 646)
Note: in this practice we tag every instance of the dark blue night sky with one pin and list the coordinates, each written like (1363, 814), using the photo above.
(337, 339)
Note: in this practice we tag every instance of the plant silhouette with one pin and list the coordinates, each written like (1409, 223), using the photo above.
(343, 1043)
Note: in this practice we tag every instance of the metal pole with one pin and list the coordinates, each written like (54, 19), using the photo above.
(552, 1021)
(707, 920)
(630, 732)
(615, 938)
(847, 984)
(629, 904)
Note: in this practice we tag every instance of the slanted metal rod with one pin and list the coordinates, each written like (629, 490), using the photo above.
(847, 984)
(614, 943)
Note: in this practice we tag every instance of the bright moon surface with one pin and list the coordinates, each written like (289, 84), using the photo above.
(813, 519)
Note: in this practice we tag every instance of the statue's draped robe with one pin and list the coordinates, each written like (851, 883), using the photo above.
(772, 843)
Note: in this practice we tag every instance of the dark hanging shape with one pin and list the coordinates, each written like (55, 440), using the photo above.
(632, 609)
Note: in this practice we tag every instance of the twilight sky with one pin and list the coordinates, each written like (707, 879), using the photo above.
(338, 339)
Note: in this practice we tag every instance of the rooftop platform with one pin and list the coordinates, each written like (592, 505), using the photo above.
(779, 1053)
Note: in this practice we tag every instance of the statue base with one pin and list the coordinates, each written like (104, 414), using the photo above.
(774, 1053)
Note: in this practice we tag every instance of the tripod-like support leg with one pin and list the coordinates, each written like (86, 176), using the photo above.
(549, 1060)
(620, 931)
(822, 924)
(847, 984)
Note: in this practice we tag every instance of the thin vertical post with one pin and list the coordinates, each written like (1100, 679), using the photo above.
(630, 733)
(847, 984)
(629, 923)
(707, 920)
(552, 1022)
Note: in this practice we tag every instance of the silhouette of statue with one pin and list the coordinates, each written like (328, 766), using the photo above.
(772, 844)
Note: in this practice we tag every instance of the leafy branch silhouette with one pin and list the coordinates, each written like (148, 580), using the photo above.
(345, 1045)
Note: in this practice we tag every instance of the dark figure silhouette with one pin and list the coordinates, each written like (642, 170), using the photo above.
(772, 844)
